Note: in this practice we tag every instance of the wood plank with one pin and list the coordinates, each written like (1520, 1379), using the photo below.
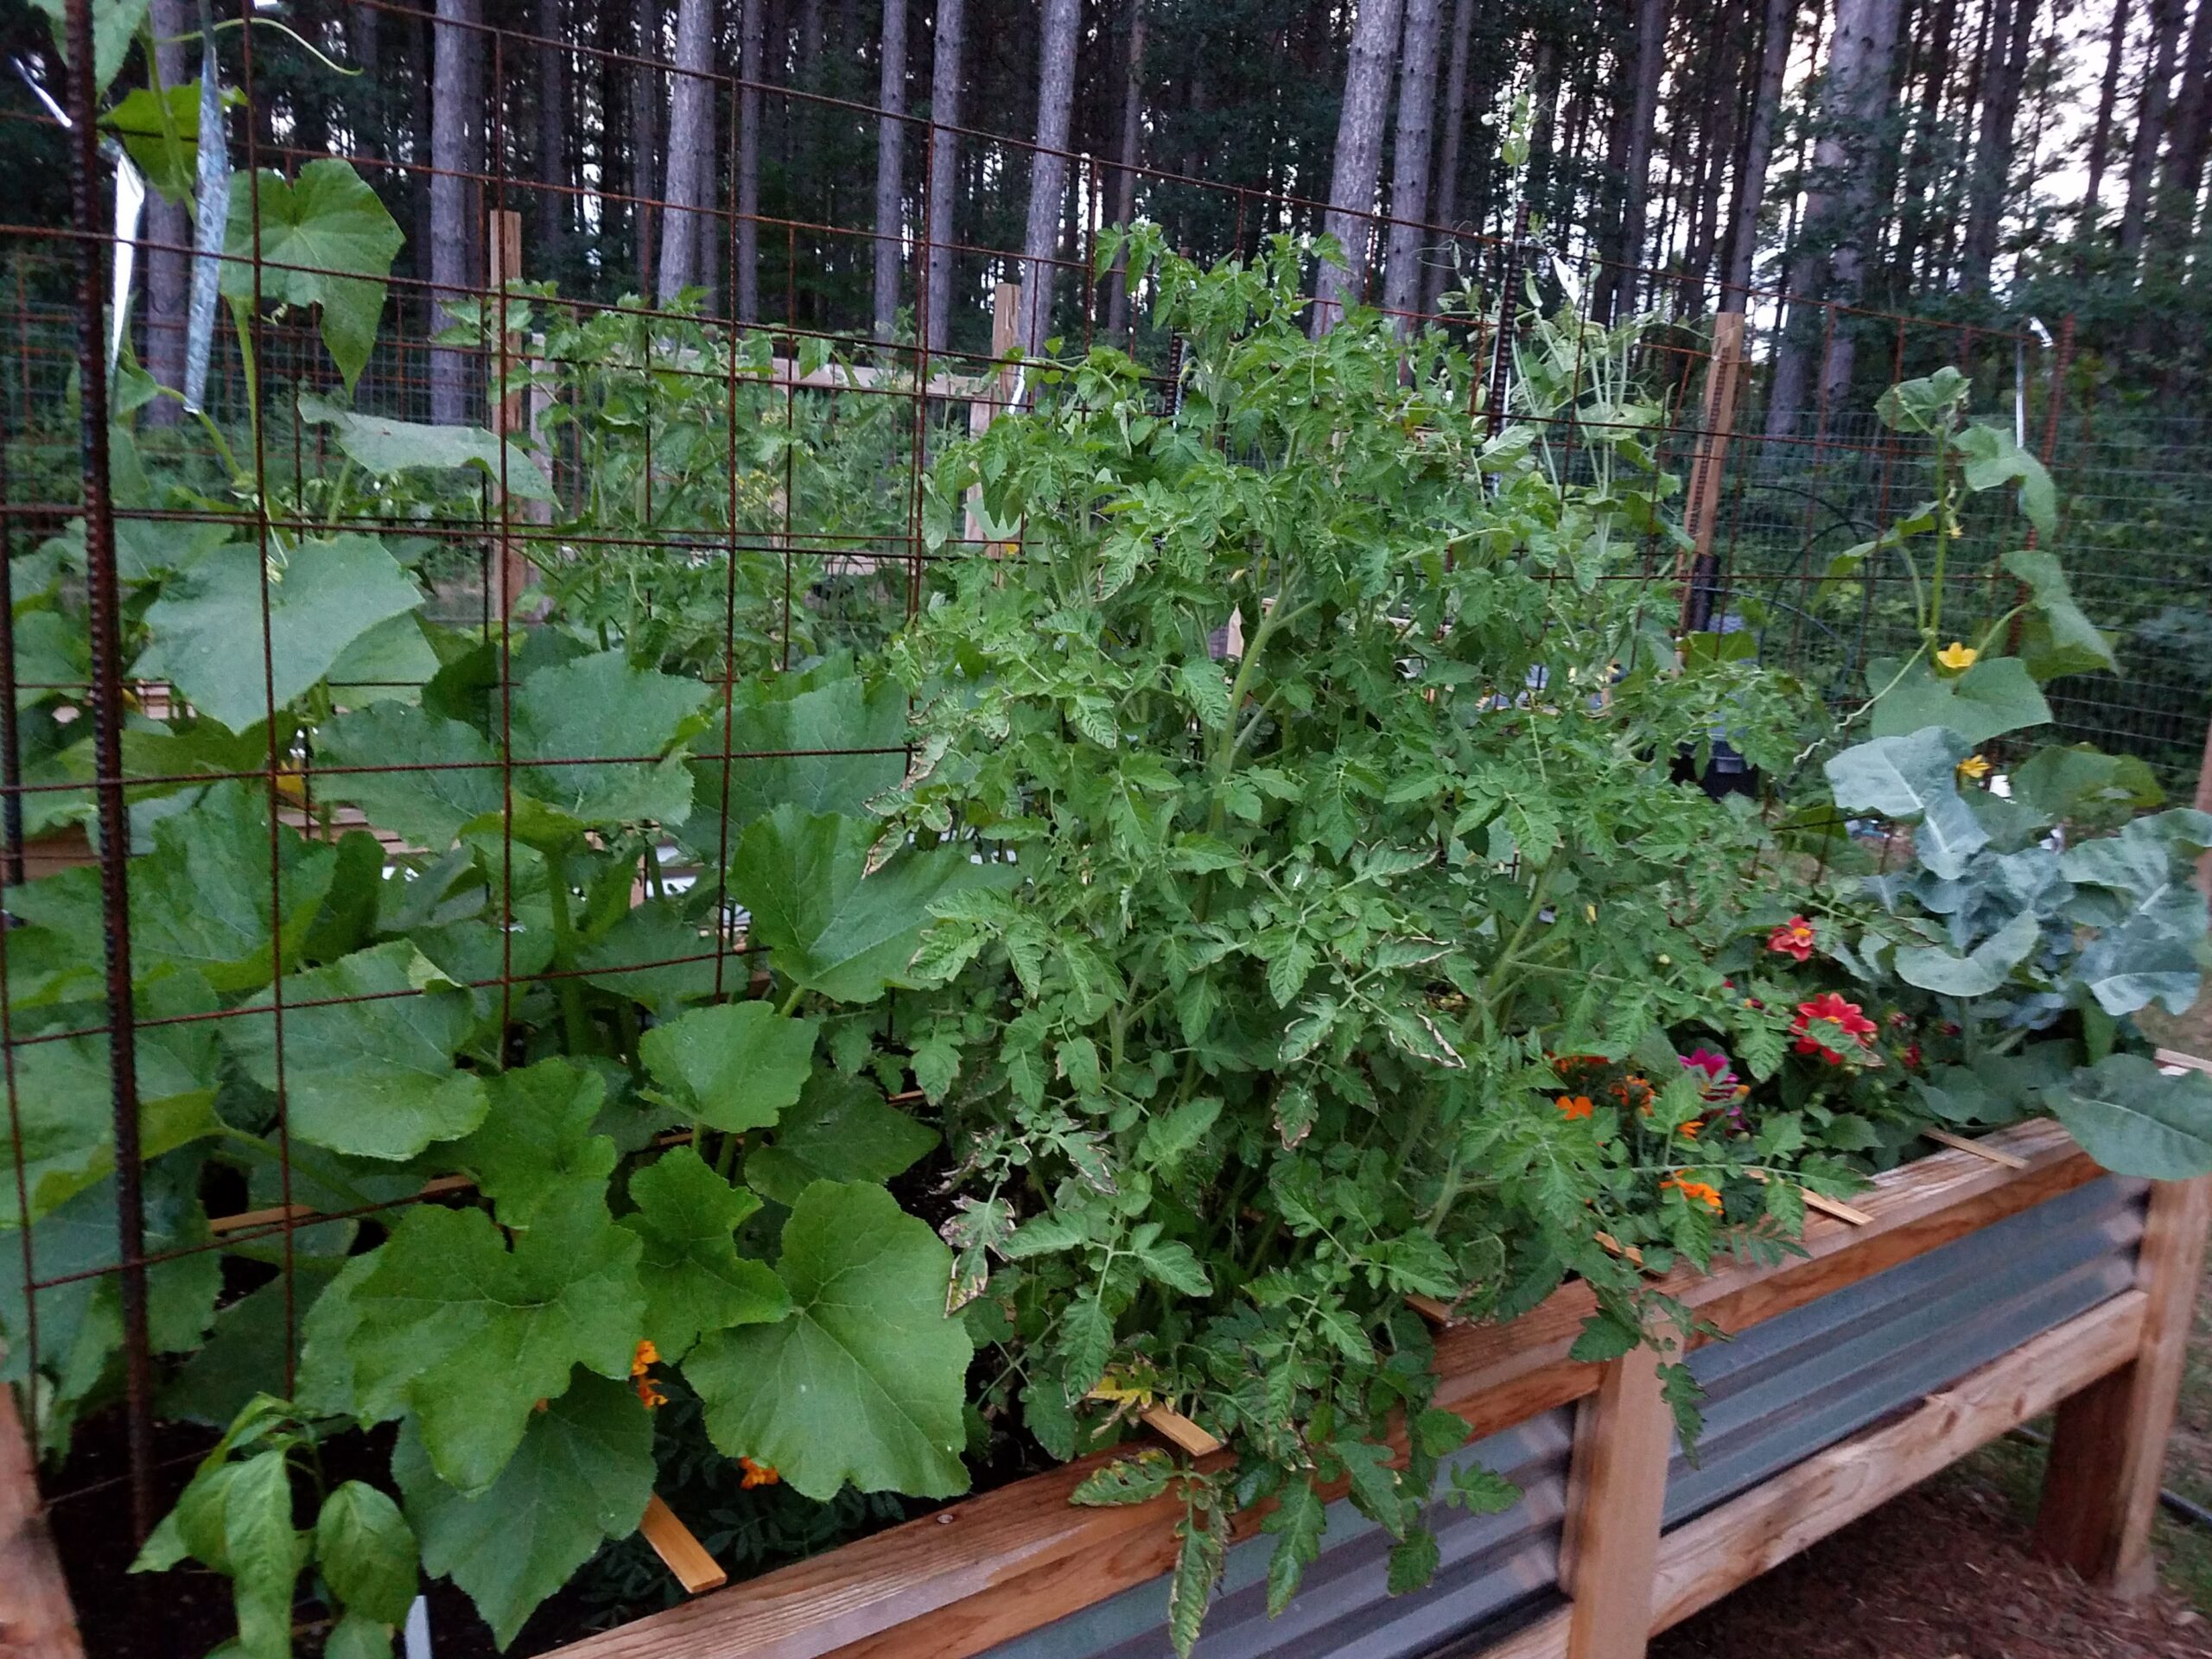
(1179, 1431)
(36, 1621)
(1703, 1560)
(1960, 1143)
(2100, 1488)
(681, 1553)
(998, 1566)
(1616, 1488)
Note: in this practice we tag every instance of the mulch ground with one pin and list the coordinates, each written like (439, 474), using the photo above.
(1941, 1573)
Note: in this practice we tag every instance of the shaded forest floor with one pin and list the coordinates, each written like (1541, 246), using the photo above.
(1944, 1573)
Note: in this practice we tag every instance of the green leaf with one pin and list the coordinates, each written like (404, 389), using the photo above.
(62, 1126)
(535, 1139)
(2135, 1120)
(1199, 1563)
(599, 709)
(442, 773)
(1413, 1562)
(805, 740)
(390, 663)
(356, 1635)
(866, 1381)
(469, 1336)
(365, 1550)
(733, 1067)
(2076, 642)
(1913, 778)
(1996, 696)
(1298, 1521)
(371, 1077)
(325, 240)
(842, 1129)
(244, 1356)
(263, 1553)
(831, 926)
(1439, 1433)
(1170, 1136)
(1171, 1263)
(389, 447)
(1126, 1481)
(1994, 460)
(115, 26)
(582, 1474)
(1484, 1491)
(658, 953)
(2061, 784)
(206, 626)
(694, 1279)
(1374, 1483)
(1979, 972)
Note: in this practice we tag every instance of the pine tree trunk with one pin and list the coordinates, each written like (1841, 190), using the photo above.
(168, 234)
(365, 109)
(1125, 178)
(944, 157)
(1447, 159)
(2191, 130)
(552, 138)
(890, 164)
(690, 101)
(645, 140)
(2151, 123)
(1358, 163)
(456, 153)
(1616, 286)
(1859, 81)
(1048, 170)
(1927, 126)
(1758, 151)
(1543, 129)
(2100, 136)
(1992, 157)
(1416, 142)
(752, 52)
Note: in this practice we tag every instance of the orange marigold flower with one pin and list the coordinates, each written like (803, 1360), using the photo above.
(757, 1474)
(1693, 1191)
(1573, 1108)
(646, 1357)
(1794, 938)
(649, 1393)
(1689, 1131)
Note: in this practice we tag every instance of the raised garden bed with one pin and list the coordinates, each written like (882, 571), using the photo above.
(1977, 1295)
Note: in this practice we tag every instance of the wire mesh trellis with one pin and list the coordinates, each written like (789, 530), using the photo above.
(733, 486)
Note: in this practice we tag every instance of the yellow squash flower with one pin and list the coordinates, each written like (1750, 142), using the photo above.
(1974, 766)
(1957, 656)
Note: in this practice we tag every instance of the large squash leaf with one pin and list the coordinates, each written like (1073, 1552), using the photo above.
(829, 925)
(373, 1078)
(842, 1130)
(687, 1216)
(733, 1067)
(866, 1381)
(206, 626)
(388, 447)
(591, 741)
(468, 1335)
(582, 1473)
(1913, 779)
(445, 773)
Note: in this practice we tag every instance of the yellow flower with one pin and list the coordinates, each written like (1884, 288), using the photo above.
(1956, 655)
(1974, 766)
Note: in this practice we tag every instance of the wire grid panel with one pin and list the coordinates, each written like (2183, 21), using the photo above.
(726, 484)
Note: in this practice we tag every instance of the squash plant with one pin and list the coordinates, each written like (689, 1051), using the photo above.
(672, 1130)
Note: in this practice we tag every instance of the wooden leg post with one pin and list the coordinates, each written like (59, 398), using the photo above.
(1616, 1490)
(2108, 1451)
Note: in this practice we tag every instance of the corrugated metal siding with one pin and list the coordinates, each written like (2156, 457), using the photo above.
(1784, 1390)
(1774, 1395)
(1492, 1565)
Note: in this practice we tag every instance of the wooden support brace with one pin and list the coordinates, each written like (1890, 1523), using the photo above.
(1174, 1426)
(1960, 1143)
(1833, 1207)
(503, 248)
(1438, 1314)
(1723, 377)
(679, 1551)
(2100, 1490)
(1617, 1486)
